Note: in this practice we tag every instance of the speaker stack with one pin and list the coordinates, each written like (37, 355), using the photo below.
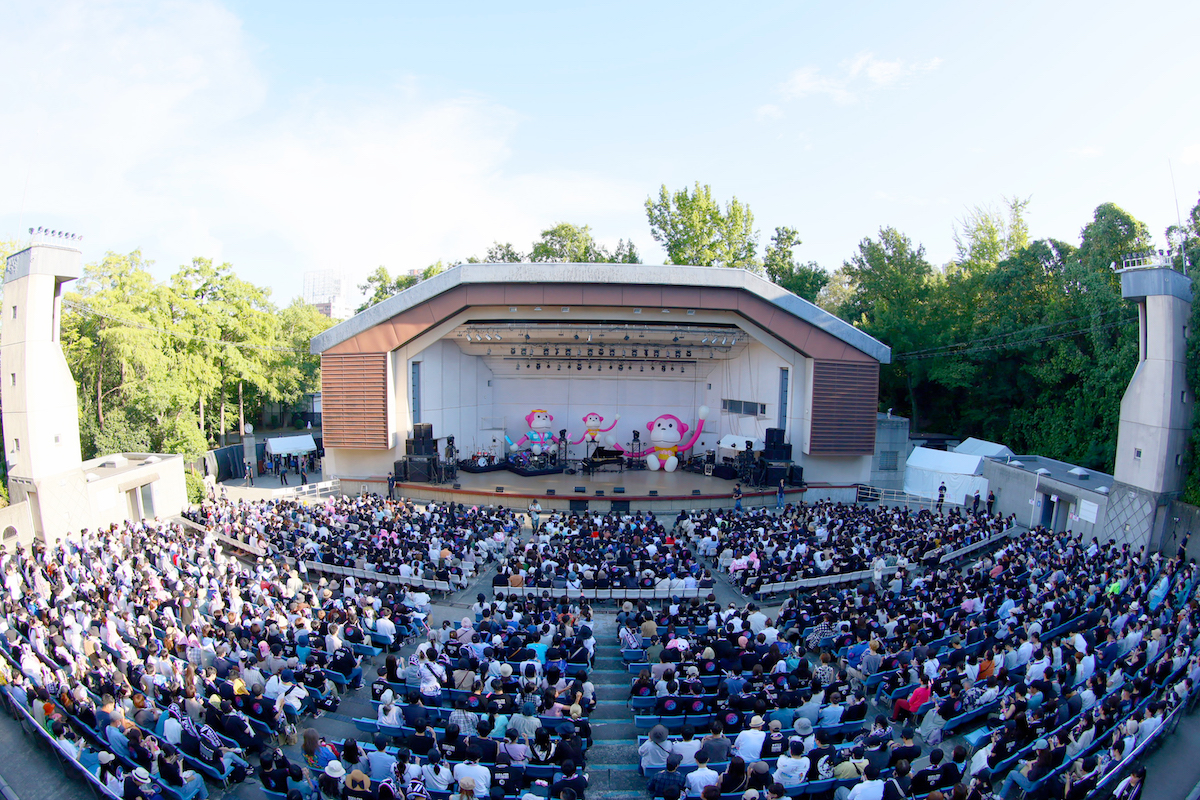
(421, 451)
(775, 449)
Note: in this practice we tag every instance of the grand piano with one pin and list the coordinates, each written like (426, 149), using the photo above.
(602, 458)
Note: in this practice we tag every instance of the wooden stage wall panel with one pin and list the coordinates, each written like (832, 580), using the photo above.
(354, 401)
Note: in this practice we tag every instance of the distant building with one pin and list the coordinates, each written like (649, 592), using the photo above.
(326, 289)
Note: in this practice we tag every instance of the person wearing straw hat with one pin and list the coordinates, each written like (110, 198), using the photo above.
(748, 744)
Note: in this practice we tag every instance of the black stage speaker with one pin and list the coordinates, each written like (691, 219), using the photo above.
(580, 489)
(796, 475)
(426, 447)
(423, 430)
(550, 492)
(619, 490)
(579, 505)
(777, 471)
(410, 447)
(774, 437)
(599, 493)
(778, 452)
(420, 470)
(399, 471)
(724, 471)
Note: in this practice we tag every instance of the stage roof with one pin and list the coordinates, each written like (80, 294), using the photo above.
(534, 284)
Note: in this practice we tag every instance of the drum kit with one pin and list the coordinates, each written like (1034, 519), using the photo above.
(483, 459)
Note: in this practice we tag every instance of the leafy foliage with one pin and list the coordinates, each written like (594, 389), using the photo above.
(694, 229)
(156, 362)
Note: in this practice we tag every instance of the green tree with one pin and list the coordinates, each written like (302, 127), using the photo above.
(380, 285)
(985, 236)
(892, 301)
(803, 280)
(694, 229)
(503, 254)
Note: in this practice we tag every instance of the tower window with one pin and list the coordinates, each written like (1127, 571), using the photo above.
(1179, 460)
(57, 439)
(12, 377)
(1137, 453)
(14, 308)
(17, 445)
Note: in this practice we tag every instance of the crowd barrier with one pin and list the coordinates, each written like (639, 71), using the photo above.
(372, 575)
(869, 575)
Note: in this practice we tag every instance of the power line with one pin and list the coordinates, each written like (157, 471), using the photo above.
(175, 334)
(951, 347)
(1014, 345)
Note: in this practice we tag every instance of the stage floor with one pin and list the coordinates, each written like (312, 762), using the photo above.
(676, 490)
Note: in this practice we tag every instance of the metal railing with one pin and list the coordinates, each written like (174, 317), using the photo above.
(319, 489)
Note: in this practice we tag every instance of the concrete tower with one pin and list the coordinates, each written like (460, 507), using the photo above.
(1156, 410)
(41, 413)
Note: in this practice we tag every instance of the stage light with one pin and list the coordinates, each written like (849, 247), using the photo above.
(627, 337)
(704, 340)
(539, 365)
(487, 336)
(664, 367)
(610, 367)
(642, 369)
(579, 367)
(489, 352)
(689, 353)
(527, 337)
(681, 370)
(560, 367)
(620, 367)
(723, 341)
(589, 337)
(676, 339)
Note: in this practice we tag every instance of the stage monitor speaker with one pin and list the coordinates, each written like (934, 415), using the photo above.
(654, 492)
(458, 486)
(551, 492)
(579, 505)
(399, 471)
(619, 490)
(695, 491)
(499, 490)
(796, 475)
(420, 470)
(725, 472)
(620, 506)
(774, 437)
(599, 493)
(580, 489)
(423, 430)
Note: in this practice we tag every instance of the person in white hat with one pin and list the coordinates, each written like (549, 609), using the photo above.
(748, 744)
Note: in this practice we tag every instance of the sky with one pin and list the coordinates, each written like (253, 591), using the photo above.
(286, 137)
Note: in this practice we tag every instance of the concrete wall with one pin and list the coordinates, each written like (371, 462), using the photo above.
(110, 499)
(891, 435)
(16, 525)
(1014, 488)
(455, 392)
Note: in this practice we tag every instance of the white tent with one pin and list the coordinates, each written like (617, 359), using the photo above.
(981, 447)
(927, 469)
(291, 445)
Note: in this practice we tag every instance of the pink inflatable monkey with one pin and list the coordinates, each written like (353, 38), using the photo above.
(592, 423)
(666, 440)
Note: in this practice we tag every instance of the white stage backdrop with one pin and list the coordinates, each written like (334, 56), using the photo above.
(637, 401)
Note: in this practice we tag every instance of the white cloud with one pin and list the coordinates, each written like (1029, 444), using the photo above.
(152, 124)
(1090, 151)
(1191, 154)
(768, 111)
(855, 78)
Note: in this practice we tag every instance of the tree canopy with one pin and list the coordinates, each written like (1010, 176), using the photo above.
(160, 365)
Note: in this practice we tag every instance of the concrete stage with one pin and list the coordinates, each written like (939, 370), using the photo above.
(676, 490)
